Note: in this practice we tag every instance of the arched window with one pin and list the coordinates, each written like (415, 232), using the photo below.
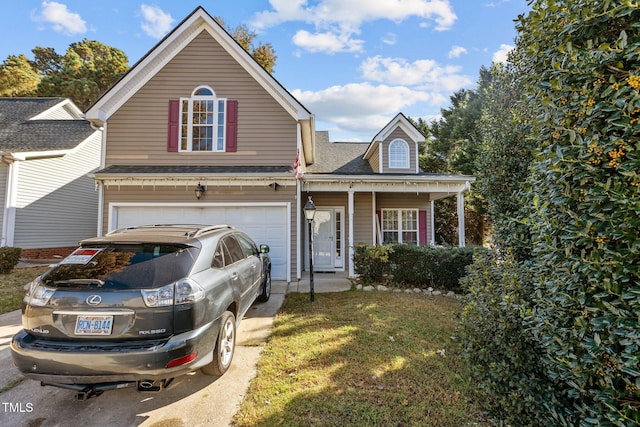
(202, 121)
(398, 154)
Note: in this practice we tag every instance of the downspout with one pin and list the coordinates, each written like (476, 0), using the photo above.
(99, 185)
(9, 217)
(300, 155)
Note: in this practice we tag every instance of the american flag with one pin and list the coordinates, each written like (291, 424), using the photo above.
(297, 167)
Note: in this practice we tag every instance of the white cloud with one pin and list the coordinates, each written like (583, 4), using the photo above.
(61, 19)
(344, 18)
(390, 39)
(501, 54)
(423, 73)
(457, 51)
(363, 108)
(156, 22)
(327, 42)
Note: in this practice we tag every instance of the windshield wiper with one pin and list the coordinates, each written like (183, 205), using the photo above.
(71, 282)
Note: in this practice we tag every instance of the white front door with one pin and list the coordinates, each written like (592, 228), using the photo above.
(328, 242)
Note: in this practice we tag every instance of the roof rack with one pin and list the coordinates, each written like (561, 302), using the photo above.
(199, 229)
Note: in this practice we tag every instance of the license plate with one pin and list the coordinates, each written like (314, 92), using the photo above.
(94, 325)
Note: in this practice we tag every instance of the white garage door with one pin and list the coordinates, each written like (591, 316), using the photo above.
(265, 224)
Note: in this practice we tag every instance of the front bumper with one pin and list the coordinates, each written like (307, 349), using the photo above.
(53, 362)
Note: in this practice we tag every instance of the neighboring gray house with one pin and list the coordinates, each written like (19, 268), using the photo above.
(48, 201)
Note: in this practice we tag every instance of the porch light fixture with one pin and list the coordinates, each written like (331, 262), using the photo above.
(200, 190)
(309, 214)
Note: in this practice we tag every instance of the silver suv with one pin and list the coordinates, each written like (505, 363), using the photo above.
(140, 306)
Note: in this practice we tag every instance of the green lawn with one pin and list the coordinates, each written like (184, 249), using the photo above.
(362, 359)
(12, 286)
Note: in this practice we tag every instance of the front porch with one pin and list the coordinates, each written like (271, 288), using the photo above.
(374, 211)
(322, 282)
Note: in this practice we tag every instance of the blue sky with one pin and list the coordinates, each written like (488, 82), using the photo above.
(354, 63)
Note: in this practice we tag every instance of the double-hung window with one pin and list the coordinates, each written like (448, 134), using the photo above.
(400, 226)
(202, 121)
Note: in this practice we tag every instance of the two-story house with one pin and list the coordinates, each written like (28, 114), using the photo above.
(198, 132)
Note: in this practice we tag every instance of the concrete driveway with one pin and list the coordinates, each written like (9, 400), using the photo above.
(191, 400)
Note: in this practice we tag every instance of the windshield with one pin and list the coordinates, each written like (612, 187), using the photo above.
(130, 266)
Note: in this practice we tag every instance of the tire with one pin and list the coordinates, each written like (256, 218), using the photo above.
(266, 288)
(225, 346)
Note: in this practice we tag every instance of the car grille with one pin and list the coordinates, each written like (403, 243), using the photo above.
(119, 347)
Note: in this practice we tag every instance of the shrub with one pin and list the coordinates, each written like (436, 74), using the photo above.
(371, 263)
(583, 86)
(417, 266)
(502, 354)
(9, 258)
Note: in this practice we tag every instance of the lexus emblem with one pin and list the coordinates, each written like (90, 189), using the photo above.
(94, 299)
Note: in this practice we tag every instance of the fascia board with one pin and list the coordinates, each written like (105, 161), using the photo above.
(173, 44)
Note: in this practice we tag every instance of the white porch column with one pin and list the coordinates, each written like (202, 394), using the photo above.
(432, 224)
(461, 236)
(351, 240)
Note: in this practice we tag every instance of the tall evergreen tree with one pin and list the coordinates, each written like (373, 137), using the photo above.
(18, 77)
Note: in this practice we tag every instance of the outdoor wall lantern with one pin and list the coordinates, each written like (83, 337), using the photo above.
(310, 213)
(200, 190)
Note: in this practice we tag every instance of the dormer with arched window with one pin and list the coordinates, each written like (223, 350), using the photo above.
(395, 148)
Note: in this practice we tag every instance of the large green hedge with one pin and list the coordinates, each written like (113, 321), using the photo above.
(583, 79)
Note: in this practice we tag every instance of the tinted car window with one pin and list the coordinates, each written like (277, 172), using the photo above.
(248, 247)
(218, 258)
(138, 266)
(235, 253)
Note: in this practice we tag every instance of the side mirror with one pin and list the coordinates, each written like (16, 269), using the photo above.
(264, 249)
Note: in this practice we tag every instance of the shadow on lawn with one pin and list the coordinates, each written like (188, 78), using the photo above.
(357, 358)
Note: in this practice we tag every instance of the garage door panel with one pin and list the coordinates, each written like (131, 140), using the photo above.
(265, 224)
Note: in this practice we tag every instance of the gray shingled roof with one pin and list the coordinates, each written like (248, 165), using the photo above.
(20, 134)
(193, 169)
(341, 158)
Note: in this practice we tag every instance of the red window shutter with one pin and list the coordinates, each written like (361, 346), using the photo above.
(232, 126)
(422, 228)
(174, 123)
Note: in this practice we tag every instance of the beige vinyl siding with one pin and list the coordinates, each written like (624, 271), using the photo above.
(384, 146)
(374, 160)
(57, 203)
(4, 171)
(137, 132)
(363, 218)
(214, 194)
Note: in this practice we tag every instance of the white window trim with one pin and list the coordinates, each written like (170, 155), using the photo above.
(214, 125)
(401, 229)
(406, 161)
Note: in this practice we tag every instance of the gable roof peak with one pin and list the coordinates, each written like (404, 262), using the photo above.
(171, 45)
(399, 121)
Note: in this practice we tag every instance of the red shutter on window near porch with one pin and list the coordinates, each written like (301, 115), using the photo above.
(174, 123)
(232, 126)
(422, 228)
